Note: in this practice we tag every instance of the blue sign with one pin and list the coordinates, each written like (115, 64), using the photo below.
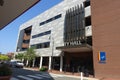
(102, 57)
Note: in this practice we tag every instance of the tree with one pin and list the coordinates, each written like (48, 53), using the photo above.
(30, 54)
(19, 56)
(4, 57)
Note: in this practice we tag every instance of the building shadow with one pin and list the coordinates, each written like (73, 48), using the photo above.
(39, 75)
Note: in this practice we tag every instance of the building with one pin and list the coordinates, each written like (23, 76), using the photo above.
(68, 37)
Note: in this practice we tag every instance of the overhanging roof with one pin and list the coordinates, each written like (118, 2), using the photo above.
(77, 48)
(11, 9)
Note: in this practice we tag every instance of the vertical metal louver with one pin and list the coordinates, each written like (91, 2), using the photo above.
(74, 26)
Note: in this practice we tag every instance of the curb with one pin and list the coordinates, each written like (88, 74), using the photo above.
(30, 69)
(74, 76)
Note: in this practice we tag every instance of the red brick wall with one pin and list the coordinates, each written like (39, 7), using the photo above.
(106, 36)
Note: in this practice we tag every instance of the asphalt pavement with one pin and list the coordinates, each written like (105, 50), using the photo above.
(24, 74)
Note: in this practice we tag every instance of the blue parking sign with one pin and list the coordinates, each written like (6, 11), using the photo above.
(102, 56)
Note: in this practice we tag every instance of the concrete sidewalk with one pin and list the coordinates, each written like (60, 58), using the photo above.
(66, 74)
(72, 76)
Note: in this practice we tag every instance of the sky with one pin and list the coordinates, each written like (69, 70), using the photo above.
(9, 34)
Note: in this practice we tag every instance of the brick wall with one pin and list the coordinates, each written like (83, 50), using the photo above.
(106, 30)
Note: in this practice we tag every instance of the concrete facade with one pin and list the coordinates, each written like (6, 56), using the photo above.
(56, 27)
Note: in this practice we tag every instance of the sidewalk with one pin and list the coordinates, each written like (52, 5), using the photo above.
(73, 76)
(108, 79)
(66, 74)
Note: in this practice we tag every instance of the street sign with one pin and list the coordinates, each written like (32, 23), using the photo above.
(102, 57)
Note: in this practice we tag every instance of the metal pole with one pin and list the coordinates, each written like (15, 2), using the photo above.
(52, 48)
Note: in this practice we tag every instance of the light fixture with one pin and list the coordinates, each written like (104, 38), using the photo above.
(1, 2)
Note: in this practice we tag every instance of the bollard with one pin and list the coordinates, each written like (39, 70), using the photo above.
(81, 74)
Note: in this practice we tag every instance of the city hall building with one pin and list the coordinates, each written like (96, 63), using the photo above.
(76, 35)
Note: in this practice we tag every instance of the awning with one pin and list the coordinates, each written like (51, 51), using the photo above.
(11, 9)
(78, 48)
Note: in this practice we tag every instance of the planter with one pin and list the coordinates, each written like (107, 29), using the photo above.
(5, 77)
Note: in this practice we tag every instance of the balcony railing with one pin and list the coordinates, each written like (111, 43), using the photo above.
(25, 45)
(26, 37)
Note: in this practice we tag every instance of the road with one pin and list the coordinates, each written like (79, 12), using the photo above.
(22, 74)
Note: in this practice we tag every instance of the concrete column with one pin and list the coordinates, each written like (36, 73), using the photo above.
(61, 63)
(27, 63)
(33, 63)
(41, 59)
(23, 60)
(50, 59)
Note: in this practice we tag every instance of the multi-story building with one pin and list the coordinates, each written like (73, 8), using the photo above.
(63, 37)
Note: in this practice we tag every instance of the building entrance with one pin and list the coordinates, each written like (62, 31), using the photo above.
(78, 62)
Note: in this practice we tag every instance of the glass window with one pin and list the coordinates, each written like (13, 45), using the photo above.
(41, 45)
(88, 21)
(38, 46)
(47, 44)
(58, 16)
(51, 19)
(42, 23)
(41, 34)
(86, 3)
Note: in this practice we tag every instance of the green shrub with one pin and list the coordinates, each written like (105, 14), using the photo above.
(43, 69)
(4, 58)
